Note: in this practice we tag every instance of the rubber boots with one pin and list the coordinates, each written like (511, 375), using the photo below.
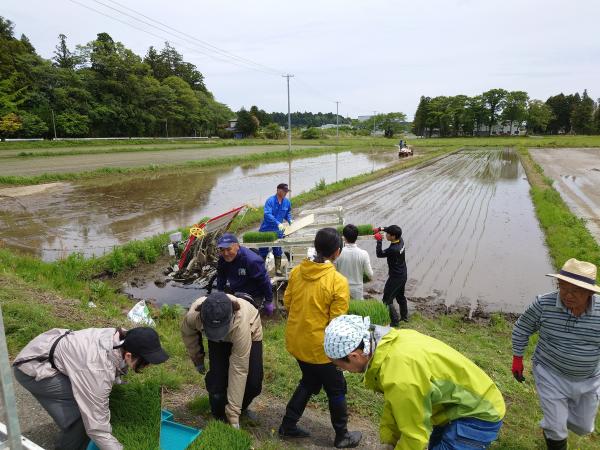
(339, 419)
(217, 405)
(556, 445)
(394, 316)
(293, 411)
(278, 266)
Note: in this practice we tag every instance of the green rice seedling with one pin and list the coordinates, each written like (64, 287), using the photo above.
(199, 405)
(363, 230)
(260, 236)
(376, 310)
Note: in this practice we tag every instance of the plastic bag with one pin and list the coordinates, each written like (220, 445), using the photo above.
(270, 263)
(140, 314)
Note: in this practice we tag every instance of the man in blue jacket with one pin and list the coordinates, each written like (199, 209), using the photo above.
(277, 209)
(245, 271)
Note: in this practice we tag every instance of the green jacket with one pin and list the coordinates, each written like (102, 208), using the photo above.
(427, 383)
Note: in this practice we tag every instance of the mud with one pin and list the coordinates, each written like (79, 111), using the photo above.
(472, 239)
(82, 163)
(92, 217)
(576, 175)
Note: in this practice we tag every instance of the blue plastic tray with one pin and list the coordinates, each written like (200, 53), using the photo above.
(175, 436)
(165, 414)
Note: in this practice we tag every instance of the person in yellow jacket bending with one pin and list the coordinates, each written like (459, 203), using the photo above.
(434, 396)
(317, 293)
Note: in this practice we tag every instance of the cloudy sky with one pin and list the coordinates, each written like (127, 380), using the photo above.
(372, 55)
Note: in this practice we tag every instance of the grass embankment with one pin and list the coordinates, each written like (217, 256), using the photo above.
(517, 141)
(566, 234)
(152, 168)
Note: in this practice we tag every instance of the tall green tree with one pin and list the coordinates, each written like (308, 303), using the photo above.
(539, 115)
(495, 100)
(582, 115)
(246, 124)
(63, 57)
(420, 120)
(515, 108)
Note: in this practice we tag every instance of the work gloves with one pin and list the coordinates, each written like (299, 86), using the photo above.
(281, 227)
(198, 361)
(377, 235)
(517, 368)
(268, 308)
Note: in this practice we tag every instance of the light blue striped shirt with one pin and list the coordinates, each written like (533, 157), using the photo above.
(567, 344)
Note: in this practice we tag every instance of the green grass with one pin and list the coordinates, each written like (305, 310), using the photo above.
(218, 435)
(517, 141)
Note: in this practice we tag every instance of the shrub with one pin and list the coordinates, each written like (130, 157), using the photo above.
(311, 133)
(376, 310)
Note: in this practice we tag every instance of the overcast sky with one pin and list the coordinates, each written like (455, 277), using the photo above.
(370, 55)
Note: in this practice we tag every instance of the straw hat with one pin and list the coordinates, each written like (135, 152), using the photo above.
(579, 273)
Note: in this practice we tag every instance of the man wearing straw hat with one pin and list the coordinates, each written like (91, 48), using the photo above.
(566, 361)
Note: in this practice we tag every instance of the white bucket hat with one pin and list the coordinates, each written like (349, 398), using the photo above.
(344, 334)
(579, 273)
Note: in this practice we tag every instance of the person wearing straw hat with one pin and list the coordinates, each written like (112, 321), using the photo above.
(566, 360)
(433, 395)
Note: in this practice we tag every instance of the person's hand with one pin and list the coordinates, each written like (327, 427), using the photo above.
(269, 308)
(281, 227)
(198, 361)
(378, 236)
(517, 368)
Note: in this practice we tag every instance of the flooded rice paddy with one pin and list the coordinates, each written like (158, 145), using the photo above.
(576, 175)
(472, 238)
(93, 216)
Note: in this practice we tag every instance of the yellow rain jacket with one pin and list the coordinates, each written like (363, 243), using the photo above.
(427, 383)
(316, 294)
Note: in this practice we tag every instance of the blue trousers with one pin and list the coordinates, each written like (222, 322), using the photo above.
(464, 434)
(264, 251)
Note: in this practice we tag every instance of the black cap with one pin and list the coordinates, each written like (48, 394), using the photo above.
(394, 229)
(216, 313)
(283, 186)
(144, 342)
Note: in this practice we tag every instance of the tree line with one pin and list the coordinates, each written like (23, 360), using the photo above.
(461, 115)
(102, 89)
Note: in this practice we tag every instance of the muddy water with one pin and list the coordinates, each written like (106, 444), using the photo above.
(576, 172)
(471, 235)
(94, 216)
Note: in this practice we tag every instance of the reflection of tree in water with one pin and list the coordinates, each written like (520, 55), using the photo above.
(490, 165)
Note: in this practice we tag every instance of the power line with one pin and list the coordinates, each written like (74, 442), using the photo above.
(166, 38)
(201, 42)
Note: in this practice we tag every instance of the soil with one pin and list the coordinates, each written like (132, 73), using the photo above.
(83, 163)
(270, 411)
(576, 175)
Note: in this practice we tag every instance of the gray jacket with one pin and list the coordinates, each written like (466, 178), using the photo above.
(87, 357)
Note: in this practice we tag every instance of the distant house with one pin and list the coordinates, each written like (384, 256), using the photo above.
(327, 126)
(232, 125)
(363, 118)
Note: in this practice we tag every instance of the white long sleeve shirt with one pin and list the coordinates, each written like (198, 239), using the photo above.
(353, 262)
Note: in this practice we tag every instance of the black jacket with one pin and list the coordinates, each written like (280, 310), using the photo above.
(395, 258)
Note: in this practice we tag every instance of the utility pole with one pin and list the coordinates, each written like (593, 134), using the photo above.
(53, 123)
(167, 128)
(337, 137)
(374, 114)
(289, 132)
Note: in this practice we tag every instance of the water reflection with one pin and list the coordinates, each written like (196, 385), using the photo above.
(91, 217)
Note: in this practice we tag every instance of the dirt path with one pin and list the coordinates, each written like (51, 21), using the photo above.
(82, 163)
(270, 411)
(576, 175)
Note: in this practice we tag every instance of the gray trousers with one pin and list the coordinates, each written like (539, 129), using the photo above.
(56, 396)
(566, 404)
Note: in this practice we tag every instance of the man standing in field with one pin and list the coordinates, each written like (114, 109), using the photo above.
(354, 263)
(566, 361)
(277, 209)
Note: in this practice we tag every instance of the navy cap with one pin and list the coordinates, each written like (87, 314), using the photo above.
(216, 313)
(227, 240)
(283, 186)
(144, 342)
(395, 230)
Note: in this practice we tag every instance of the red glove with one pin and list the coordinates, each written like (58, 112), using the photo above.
(378, 236)
(517, 368)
